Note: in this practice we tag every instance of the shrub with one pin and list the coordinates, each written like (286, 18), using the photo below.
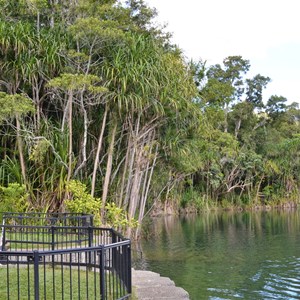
(82, 201)
(13, 198)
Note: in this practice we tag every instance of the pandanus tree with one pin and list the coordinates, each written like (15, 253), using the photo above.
(28, 58)
(75, 89)
(149, 88)
(16, 47)
(93, 36)
(13, 108)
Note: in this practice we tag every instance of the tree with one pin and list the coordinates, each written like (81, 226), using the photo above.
(254, 90)
(14, 107)
(276, 106)
(75, 85)
(225, 85)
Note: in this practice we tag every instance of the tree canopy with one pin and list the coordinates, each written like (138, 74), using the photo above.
(94, 91)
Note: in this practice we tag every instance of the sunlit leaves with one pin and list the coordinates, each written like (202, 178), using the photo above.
(91, 31)
(14, 106)
(69, 81)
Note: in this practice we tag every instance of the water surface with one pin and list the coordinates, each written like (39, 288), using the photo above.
(228, 255)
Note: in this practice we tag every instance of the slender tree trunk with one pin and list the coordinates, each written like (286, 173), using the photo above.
(20, 149)
(36, 100)
(136, 185)
(237, 127)
(146, 187)
(226, 118)
(70, 151)
(108, 168)
(133, 142)
(85, 136)
(258, 188)
(125, 170)
(65, 115)
(100, 140)
(134, 193)
(129, 176)
(38, 22)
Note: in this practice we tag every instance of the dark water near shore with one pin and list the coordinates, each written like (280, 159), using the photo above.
(227, 255)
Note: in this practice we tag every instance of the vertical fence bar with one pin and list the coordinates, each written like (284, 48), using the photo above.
(18, 276)
(52, 245)
(114, 251)
(62, 275)
(110, 280)
(129, 271)
(90, 243)
(3, 236)
(52, 238)
(36, 275)
(7, 280)
(102, 273)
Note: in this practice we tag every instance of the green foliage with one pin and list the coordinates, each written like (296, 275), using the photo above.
(90, 31)
(14, 106)
(75, 82)
(10, 171)
(13, 198)
(117, 217)
(255, 88)
(193, 200)
(82, 202)
(39, 151)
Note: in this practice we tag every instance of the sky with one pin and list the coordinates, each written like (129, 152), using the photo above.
(266, 32)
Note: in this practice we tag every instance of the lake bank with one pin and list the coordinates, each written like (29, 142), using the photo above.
(168, 209)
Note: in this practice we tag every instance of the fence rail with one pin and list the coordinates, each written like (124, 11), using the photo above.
(24, 238)
(47, 219)
(64, 262)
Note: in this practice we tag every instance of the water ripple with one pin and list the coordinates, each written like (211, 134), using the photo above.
(275, 280)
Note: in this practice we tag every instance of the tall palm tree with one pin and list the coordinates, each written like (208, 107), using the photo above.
(149, 85)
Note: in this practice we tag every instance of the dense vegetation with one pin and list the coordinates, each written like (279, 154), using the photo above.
(96, 101)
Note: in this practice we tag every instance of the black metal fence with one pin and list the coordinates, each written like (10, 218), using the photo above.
(64, 262)
(47, 219)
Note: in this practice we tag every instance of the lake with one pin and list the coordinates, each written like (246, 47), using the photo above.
(226, 255)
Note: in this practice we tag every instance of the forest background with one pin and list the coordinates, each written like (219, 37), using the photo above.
(101, 114)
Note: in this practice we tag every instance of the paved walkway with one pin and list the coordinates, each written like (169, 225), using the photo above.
(151, 286)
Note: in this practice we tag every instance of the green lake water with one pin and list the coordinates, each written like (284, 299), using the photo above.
(228, 255)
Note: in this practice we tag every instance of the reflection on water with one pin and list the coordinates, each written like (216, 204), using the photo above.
(245, 255)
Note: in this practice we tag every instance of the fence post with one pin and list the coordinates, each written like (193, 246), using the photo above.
(114, 252)
(90, 236)
(36, 275)
(102, 273)
(52, 238)
(3, 242)
(129, 271)
(52, 243)
(90, 243)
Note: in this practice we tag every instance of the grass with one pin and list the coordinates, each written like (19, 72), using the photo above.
(54, 283)
(133, 295)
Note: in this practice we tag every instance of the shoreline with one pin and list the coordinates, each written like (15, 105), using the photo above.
(157, 212)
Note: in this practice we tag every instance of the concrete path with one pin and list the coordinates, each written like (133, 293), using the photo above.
(151, 286)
